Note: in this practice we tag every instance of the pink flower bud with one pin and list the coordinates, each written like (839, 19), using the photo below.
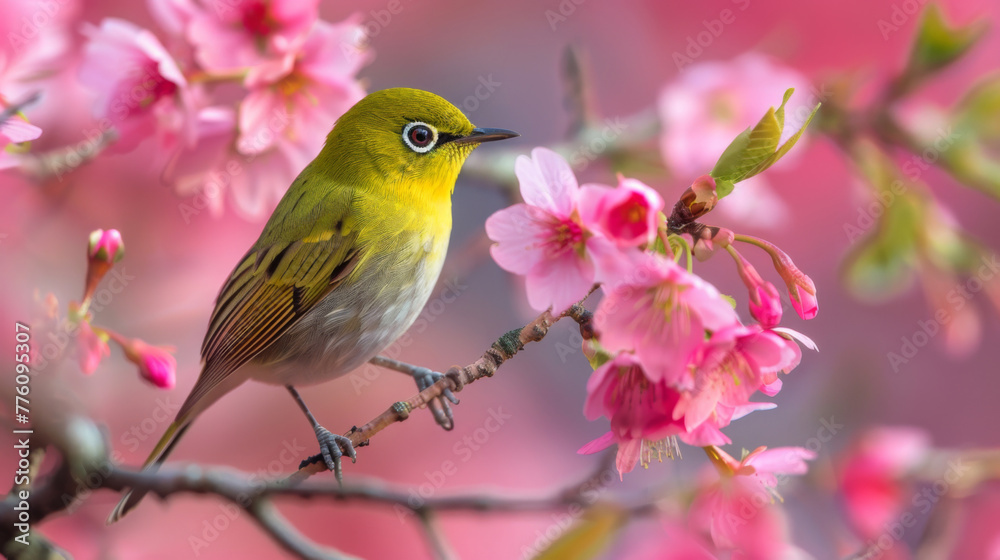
(156, 364)
(704, 192)
(696, 201)
(803, 296)
(106, 246)
(104, 249)
(765, 303)
(801, 289)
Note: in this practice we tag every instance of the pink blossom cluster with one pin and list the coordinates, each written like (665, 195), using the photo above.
(674, 360)
(297, 74)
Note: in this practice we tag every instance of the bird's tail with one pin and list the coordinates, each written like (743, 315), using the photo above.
(159, 454)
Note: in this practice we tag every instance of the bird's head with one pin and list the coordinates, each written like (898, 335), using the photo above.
(404, 138)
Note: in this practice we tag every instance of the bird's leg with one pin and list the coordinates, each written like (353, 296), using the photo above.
(424, 378)
(332, 446)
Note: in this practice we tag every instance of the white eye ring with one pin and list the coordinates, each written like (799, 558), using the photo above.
(413, 143)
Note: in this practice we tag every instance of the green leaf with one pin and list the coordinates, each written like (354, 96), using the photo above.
(938, 44)
(731, 155)
(756, 149)
(588, 537)
(786, 146)
(751, 146)
(723, 187)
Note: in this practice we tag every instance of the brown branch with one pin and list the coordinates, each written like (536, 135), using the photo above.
(505, 347)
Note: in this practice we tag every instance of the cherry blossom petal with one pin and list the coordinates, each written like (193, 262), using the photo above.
(547, 182)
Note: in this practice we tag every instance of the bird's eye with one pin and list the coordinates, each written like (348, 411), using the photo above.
(419, 137)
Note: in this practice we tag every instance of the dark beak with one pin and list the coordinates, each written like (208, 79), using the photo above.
(480, 135)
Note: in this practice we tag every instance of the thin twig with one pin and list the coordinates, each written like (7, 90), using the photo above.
(435, 537)
(267, 516)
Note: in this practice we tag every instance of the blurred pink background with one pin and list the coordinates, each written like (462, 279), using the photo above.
(174, 270)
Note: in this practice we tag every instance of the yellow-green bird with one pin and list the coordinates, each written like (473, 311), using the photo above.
(345, 263)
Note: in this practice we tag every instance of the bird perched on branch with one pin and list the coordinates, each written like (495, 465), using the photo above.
(344, 264)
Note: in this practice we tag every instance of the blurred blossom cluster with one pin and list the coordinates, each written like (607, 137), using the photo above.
(296, 74)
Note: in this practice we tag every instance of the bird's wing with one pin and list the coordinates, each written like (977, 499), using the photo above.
(272, 288)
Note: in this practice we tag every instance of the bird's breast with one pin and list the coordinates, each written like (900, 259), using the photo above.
(363, 315)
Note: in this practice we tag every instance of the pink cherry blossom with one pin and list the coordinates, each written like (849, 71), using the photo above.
(141, 91)
(739, 511)
(173, 15)
(765, 463)
(266, 176)
(246, 33)
(643, 414)
(740, 516)
(731, 366)
(208, 169)
(872, 476)
(661, 313)
(297, 97)
(627, 215)
(546, 238)
(90, 348)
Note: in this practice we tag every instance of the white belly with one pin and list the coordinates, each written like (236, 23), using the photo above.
(355, 322)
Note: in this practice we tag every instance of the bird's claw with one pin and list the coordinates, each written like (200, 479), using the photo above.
(332, 447)
(439, 405)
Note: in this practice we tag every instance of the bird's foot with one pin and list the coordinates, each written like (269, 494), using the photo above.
(332, 447)
(439, 405)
